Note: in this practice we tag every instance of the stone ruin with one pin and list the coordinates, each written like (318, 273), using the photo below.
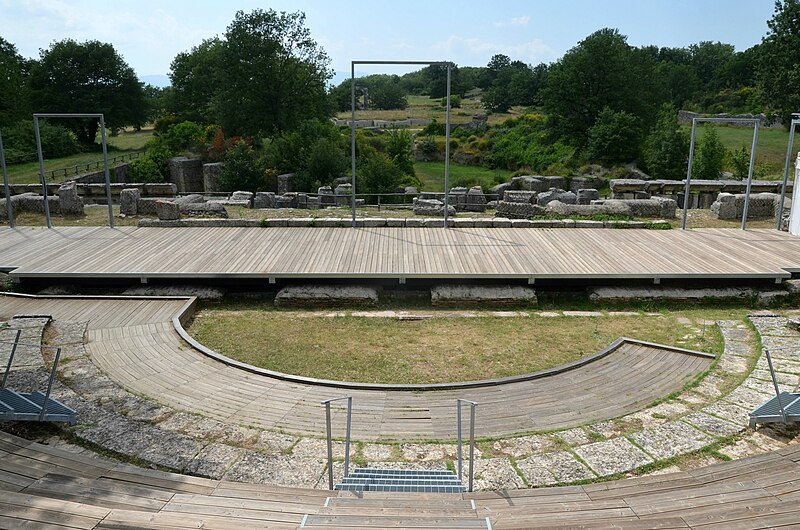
(762, 205)
(702, 193)
(66, 201)
(193, 205)
(432, 208)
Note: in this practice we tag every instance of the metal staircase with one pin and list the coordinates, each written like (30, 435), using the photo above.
(401, 481)
(33, 406)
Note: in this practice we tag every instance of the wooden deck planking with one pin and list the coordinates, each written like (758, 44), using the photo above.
(149, 357)
(397, 252)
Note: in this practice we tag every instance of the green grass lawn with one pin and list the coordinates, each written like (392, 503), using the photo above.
(770, 149)
(128, 141)
(432, 175)
(446, 349)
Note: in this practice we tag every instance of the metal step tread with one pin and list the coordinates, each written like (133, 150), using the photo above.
(418, 472)
(401, 489)
(401, 480)
(19, 406)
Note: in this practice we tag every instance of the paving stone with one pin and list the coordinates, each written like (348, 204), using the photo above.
(623, 313)
(664, 471)
(494, 474)
(314, 448)
(583, 314)
(239, 436)
(788, 379)
(613, 456)
(606, 429)
(274, 442)
(424, 452)
(729, 411)
(214, 460)
(736, 334)
(671, 439)
(575, 436)
(428, 465)
(744, 349)
(175, 451)
(524, 445)
(561, 465)
(748, 398)
(710, 386)
(282, 470)
(712, 424)
(68, 332)
(177, 422)
(766, 387)
(548, 314)
(206, 429)
(734, 363)
(378, 452)
(141, 409)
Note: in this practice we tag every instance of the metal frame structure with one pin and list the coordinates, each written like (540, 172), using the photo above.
(36, 117)
(789, 147)
(353, 64)
(783, 408)
(472, 406)
(755, 122)
(5, 184)
(327, 404)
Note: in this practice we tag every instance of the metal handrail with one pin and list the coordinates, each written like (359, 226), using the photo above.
(327, 404)
(472, 405)
(10, 359)
(775, 384)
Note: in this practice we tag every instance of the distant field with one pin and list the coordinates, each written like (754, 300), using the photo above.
(432, 175)
(28, 172)
(770, 150)
(423, 107)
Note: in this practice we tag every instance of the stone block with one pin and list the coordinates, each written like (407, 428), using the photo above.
(464, 223)
(556, 194)
(264, 199)
(518, 210)
(412, 222)
(129, 200)
(476, 200)
(527, 197)
(160, 189)
(167, 210)
(608, 207)
(326, 295)
(501, 222)
(342, 194)
(528, 183)
(326, 197)
(374, 222)
(285, 182)
(498, 191)
(485, 222)
(211, 174)
(587, 195)
(186, 174)
(68, 201)
(243, 196)
(482, 294)
(432, 207)
(397, 222)
(204, 209)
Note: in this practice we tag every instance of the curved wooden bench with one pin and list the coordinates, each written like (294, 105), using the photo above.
(135, 342)
(47, 487)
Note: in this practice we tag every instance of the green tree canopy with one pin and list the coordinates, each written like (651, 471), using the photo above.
(666, 149)
(88, 77)
(14, 103)
(778, 70)
(195, 81)
(272, 74)
(613, 137)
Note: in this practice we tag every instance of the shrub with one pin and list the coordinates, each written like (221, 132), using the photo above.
(455, 101)
(20, 141)
(183, 136)
(666, 148)
(325, 163)
(613, 137)
(434, 128)
(241, 170)
(400, 148)
(709, 157)
(145, 169)
(740, 162)
(163, 123)
(377, 174)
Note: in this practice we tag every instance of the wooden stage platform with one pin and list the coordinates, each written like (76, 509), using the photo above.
(397, 253)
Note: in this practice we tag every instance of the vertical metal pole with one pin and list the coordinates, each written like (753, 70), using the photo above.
(750, 176)
(785, 172)
(353, 135)
(447, 150)
(775, 384)
(347, 438)
(41, 170)
(458, 428)
(471, 444)
(9, 206)
(11, 358)
(108, 176)
(330, 445)
(50, 385)
(688, 174)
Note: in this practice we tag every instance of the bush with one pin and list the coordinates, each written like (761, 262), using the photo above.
(666, 149)
(163, 123)
(326, 162)
(739, 160)
(400, 148)
(709, 157)
(19, 141)
(145, 169)
(455, 101)
(241, 170)
(377, 174)
(613, 137)
(183, 136)
(523, 142)
(434, 128)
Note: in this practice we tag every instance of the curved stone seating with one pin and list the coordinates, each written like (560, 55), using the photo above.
(135, 342)
(48, 487)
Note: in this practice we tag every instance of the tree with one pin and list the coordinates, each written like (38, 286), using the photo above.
(388, 95)
(614, 137)
(778, 70)
(601, 71)
(666, 148)
(88, 77)
(274, 74)
(709, 156)
(195, 81)
(241, 170)
(15, 102)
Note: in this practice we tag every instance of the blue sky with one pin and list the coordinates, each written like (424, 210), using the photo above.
(150, 33)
